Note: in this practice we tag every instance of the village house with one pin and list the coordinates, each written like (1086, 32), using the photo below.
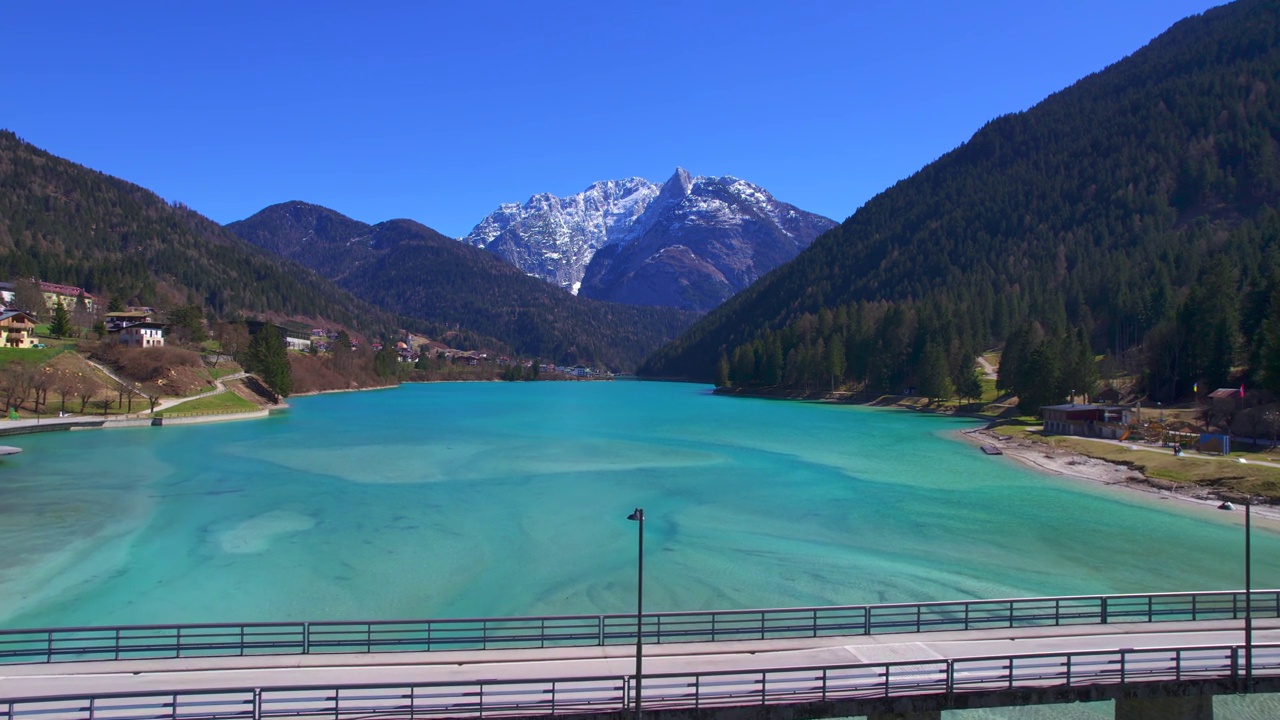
(1084, 420)
(53, 292)
(18, 329)
(68, 294)
(116, 321)
(143, 334)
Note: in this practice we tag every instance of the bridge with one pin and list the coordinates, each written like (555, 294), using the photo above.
(1157, 655)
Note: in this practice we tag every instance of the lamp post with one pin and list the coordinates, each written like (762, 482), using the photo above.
(638, 516)
(1248, 600)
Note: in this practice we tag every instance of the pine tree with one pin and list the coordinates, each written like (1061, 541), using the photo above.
(722, 371)
(1044, 363)
(384, 363)
(935, 376)
(61, 324)
(835, 361)
(269, 360)
(1269, 351)
(969, 383)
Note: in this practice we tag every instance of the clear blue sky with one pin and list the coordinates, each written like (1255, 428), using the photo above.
(439, 111)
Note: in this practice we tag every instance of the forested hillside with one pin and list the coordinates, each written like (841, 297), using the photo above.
(1134, 213)
(461, 291)
(65, 223)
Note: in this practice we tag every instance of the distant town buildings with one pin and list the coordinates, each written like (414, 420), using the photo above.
(53, 292)
(296, 335)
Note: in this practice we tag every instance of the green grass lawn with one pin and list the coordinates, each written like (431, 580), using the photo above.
(227, 402)
(1191, 468)
(36, 356)
(222, 372)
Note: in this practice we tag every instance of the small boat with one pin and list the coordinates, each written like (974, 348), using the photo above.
(992, 450)
(1227, 506)
(9, 450)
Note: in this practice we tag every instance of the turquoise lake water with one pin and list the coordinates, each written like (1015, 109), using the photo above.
(481, 499)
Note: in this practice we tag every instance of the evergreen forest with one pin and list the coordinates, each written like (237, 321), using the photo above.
(64, 223)
(462, 294)
(1133, 217)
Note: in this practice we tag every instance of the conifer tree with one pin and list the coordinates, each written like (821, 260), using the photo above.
(269, 360)
(722, 371)
(935, 376)
(1269, 351)
(835, 361)
(61, 324)
(969, 384)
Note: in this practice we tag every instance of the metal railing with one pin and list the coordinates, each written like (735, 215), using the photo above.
(663, 691)
(291, 638)
(169, 414)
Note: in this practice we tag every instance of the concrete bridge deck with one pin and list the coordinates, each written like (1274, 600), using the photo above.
(678, 677)
(1160, 655)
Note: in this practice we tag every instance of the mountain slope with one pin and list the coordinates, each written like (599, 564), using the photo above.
(699, 242)
(689, 242)
(62, 222)
(408, 268)
(555, 238)
(1101, 207)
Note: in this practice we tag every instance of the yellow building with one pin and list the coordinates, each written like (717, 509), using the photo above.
(18, 329)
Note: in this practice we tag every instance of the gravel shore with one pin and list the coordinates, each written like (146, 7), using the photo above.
(1067, 463)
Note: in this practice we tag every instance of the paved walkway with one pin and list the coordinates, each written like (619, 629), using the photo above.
(219, 388)
(80, 420)
(988, 370)
(1131, 445)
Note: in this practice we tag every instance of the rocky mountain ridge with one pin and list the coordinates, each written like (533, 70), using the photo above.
(690, 242)
(462, 292)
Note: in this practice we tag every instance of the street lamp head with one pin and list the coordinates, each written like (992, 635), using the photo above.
(637, 514)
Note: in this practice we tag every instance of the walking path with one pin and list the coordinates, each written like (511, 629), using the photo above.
(988, 370)
(81, 420)
(219, 388)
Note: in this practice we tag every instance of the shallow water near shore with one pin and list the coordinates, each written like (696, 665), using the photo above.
(480, 499)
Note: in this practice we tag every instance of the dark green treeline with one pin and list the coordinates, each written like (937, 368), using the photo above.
(1137, 210)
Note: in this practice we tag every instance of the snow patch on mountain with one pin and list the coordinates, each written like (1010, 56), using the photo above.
(556, 239)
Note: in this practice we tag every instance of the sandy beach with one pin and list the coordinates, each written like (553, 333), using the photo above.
(1066, 463)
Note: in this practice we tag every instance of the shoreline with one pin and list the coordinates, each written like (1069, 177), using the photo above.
(339, 390)
(1048, 460)
(1043, 458)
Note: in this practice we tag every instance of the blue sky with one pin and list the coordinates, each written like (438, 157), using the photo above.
(439, 111)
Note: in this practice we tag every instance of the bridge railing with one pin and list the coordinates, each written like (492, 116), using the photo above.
(163, 641)
(670, 691)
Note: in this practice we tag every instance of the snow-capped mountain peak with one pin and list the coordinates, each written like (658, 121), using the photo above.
(560, 239)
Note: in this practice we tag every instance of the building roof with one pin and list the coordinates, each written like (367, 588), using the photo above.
(63, 289)
(1226, 393)
(145, 325)
(5, 315)
(129, 314)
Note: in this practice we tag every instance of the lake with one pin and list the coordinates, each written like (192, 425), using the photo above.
(467, 499)
(483, 499)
